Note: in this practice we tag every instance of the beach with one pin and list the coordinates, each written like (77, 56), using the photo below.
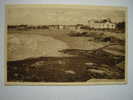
(22, 46)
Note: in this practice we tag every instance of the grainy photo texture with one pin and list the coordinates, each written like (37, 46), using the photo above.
(65, 44)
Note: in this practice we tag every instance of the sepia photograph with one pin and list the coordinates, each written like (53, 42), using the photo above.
(65, 44)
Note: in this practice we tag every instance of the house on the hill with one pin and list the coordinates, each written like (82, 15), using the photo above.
(101, 24)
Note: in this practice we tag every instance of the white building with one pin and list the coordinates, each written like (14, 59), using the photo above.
(102, 24)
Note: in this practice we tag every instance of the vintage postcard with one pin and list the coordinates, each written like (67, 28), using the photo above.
(65, 45)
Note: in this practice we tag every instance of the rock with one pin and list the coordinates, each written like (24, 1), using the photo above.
(70, 72)
(90, 64)
(121, 65)
(105, 65)
(16, 74)
(61, 62)
(39, 63)
(97, 71)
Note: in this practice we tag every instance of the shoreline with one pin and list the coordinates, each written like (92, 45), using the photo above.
(21, 46)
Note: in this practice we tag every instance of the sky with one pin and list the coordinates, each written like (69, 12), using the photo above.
(66, 16)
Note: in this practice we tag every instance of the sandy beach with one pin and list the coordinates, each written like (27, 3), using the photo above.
(22, 46)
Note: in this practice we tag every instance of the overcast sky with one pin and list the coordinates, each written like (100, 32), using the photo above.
(67, 16)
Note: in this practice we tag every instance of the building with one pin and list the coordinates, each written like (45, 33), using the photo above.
(61, 27)
(101, 24)
(53, 27)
